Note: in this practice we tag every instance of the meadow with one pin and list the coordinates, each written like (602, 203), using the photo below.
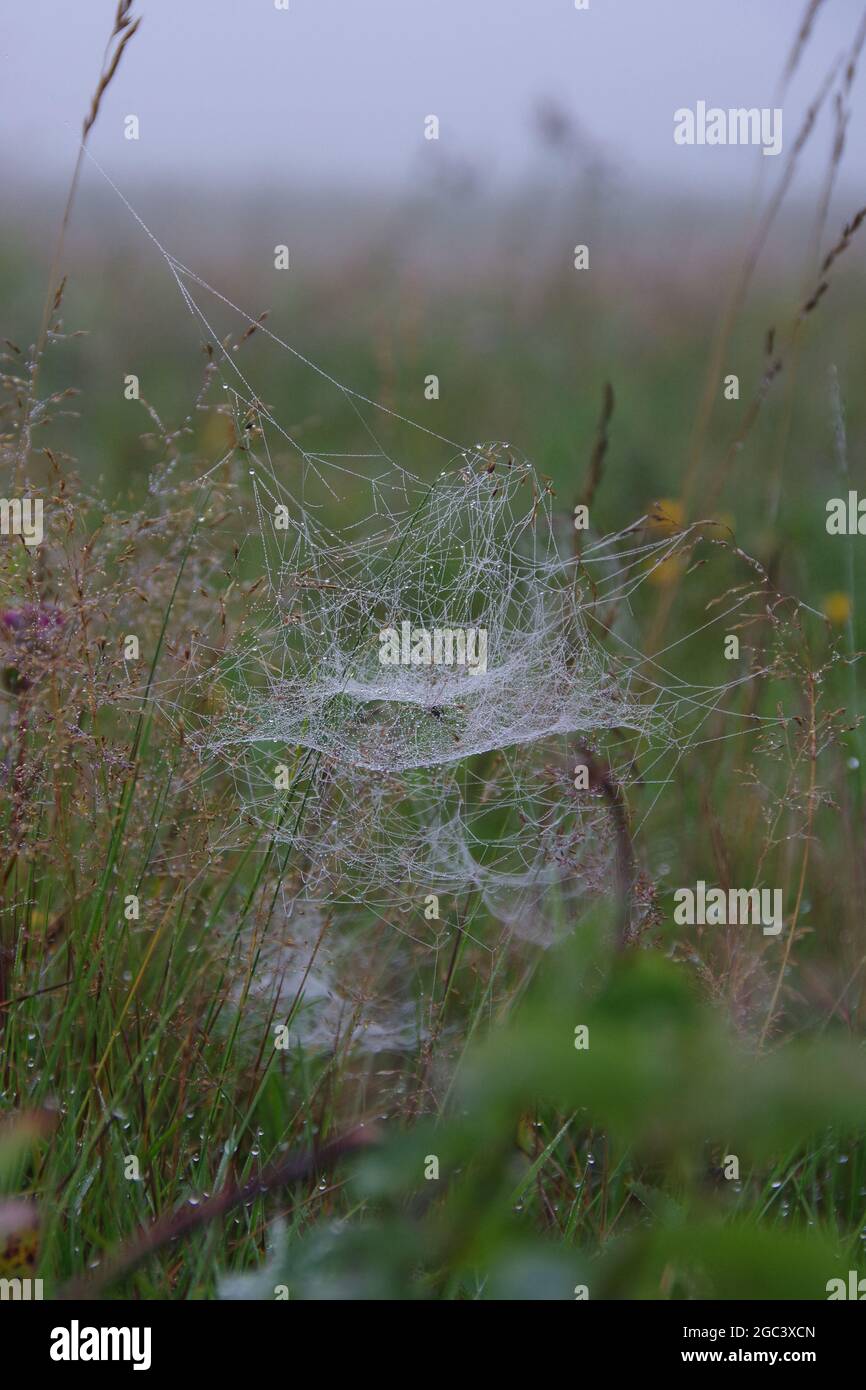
(243, 1060)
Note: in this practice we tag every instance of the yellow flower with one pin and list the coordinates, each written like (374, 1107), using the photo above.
(837, 607)
(668, 571)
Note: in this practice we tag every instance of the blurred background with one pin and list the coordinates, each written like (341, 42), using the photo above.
(261, 127)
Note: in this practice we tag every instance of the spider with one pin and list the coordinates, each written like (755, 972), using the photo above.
(438, 711)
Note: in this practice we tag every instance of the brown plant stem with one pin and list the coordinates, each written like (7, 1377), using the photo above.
(601, 777)
(810, 815)
(178, 1224)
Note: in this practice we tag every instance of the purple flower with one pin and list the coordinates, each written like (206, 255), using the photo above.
(31, 632)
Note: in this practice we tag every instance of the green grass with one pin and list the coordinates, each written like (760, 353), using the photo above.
(556, 1167)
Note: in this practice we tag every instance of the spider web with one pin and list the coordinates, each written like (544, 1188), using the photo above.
(389, 783)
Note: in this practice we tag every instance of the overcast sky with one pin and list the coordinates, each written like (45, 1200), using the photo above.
(240, 94)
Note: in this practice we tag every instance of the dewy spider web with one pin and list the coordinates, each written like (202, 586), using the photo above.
(411, 779)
